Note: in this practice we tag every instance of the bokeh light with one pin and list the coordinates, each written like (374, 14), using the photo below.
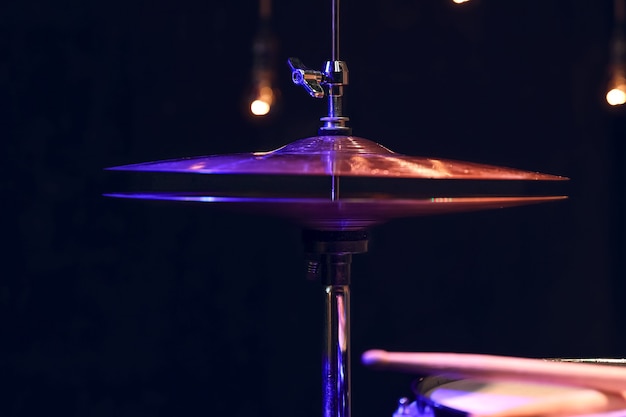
(616, 96)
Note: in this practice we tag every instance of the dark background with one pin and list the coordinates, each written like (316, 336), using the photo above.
(135, 308)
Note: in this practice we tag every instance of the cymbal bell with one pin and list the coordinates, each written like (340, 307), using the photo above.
(337, 156)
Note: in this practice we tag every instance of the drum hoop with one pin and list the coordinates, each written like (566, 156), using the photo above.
(423, 385)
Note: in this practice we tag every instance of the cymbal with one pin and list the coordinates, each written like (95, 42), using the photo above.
(340, 156)
(337, 156)
(342, 214)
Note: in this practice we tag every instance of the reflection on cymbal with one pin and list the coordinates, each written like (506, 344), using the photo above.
(337, 156)
(343, 214)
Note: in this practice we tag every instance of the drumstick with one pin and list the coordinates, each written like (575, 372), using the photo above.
(605, 378)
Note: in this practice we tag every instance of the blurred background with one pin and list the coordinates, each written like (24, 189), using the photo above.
(138, 308)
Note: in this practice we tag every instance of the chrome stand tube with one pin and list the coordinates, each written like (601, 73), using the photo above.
(336, 359)
(329, 260)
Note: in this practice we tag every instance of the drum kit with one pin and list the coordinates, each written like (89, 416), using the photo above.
(335, 220)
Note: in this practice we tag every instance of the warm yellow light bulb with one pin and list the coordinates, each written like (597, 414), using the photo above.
(259, 107)
(616, 96)
(460, 1)
(262, 103)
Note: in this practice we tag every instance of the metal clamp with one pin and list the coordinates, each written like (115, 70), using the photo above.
(310, 79)
(334, 77)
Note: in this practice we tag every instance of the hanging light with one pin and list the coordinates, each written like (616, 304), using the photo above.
(262, 101)
(263, 91)
(616, 89)
(616, 95)
(263, 97)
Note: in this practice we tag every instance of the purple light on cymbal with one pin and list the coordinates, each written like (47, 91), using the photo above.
(344, 214)
(337, 156)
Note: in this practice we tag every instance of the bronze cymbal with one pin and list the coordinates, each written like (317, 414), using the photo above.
(343, 214)
(342, 156)
(337, 156)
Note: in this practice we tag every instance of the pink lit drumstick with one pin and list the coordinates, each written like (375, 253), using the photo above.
(491, 367)
(602, 387)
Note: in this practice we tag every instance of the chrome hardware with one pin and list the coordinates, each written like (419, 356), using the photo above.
(310, 79)
(333, 78)
(410, 409)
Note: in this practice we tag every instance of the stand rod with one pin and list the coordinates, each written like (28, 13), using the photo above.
(336, 360)
(335, 30)
(329, 260)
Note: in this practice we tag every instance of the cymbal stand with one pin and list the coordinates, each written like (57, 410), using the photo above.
(329, 255)
(330, 252)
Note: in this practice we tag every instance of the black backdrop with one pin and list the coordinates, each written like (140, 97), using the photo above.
(134, 308)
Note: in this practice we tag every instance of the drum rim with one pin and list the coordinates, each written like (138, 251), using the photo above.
(423, 384)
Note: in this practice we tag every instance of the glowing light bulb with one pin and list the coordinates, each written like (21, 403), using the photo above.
(262, 101)
(616, 96)
(460, 1)
(259, 107)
